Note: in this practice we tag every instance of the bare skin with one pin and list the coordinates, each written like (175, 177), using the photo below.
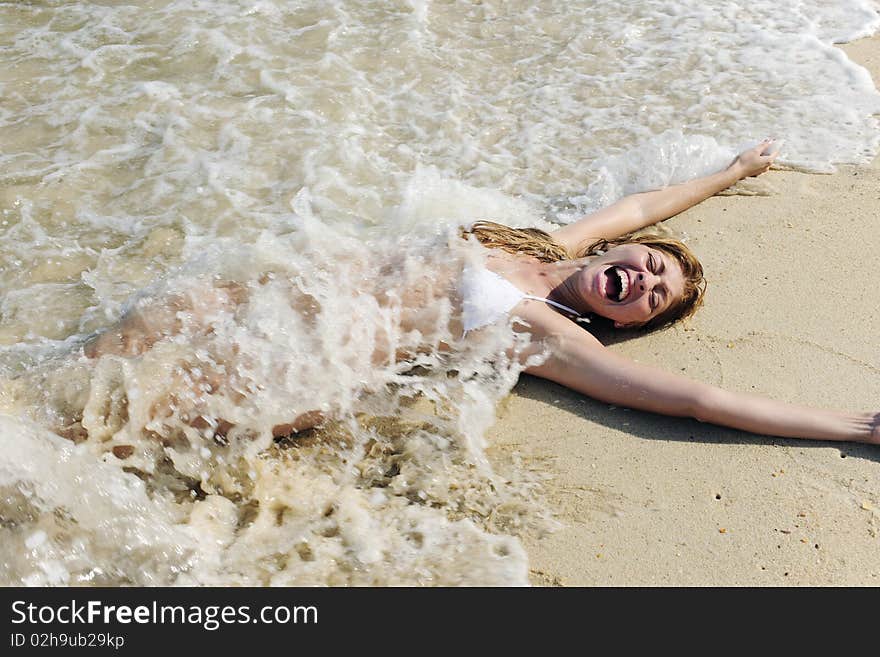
(580, 362)
(577, 359)
(146, 324)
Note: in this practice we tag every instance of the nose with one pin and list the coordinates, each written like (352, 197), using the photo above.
(647, 281)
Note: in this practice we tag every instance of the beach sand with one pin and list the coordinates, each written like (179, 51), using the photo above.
(792, 312)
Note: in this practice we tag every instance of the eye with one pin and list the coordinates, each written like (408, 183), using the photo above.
(655, 301)
(652, 266)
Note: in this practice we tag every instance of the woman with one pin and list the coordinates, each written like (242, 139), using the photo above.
(545, 281)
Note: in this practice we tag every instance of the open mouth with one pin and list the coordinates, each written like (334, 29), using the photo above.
(616, 284)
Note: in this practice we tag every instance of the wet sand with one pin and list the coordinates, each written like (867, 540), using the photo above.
(792, 312)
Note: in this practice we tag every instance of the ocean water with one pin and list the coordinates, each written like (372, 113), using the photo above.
(314, 159)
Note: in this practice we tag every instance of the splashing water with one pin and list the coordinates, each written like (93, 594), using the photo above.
(281, 183)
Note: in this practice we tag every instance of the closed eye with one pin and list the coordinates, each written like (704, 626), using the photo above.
(663, 294)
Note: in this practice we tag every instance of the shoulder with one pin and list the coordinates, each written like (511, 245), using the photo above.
(569, 352)
(555, 330)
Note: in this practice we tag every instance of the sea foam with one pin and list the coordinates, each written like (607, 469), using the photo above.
(328, 150)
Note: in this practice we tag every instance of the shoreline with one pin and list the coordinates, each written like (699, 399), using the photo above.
(790, 313)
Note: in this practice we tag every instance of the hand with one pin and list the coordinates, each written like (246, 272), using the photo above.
(752, 162)
(865, 427)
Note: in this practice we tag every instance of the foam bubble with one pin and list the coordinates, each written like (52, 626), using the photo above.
(382, 495)
(315, 158)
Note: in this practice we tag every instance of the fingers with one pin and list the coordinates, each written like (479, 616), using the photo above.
(759, 148)
(769, 160)
(758, 159)
(767, 146)
(875, 430)
(773, 147)
(765, 154)
(761, 154)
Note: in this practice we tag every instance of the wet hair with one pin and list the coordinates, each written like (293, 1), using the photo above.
(522, 241)
(541, 245)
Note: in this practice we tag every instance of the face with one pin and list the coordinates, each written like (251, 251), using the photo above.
(631, 284)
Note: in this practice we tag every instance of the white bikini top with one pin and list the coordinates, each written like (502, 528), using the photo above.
(487, 297)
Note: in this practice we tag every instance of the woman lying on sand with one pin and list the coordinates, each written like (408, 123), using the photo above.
(548, 285)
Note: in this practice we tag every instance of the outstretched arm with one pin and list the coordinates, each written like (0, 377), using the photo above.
(639, 210)
(580, 362)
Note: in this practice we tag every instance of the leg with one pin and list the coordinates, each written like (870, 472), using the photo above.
(308, 420)
(148, 322)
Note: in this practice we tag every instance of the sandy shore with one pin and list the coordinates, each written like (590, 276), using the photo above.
(792, 312)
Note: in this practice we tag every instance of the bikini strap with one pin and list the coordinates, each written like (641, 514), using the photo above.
(578, 316)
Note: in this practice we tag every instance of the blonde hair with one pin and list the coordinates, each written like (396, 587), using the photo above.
(522, 241)
(541, 245)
